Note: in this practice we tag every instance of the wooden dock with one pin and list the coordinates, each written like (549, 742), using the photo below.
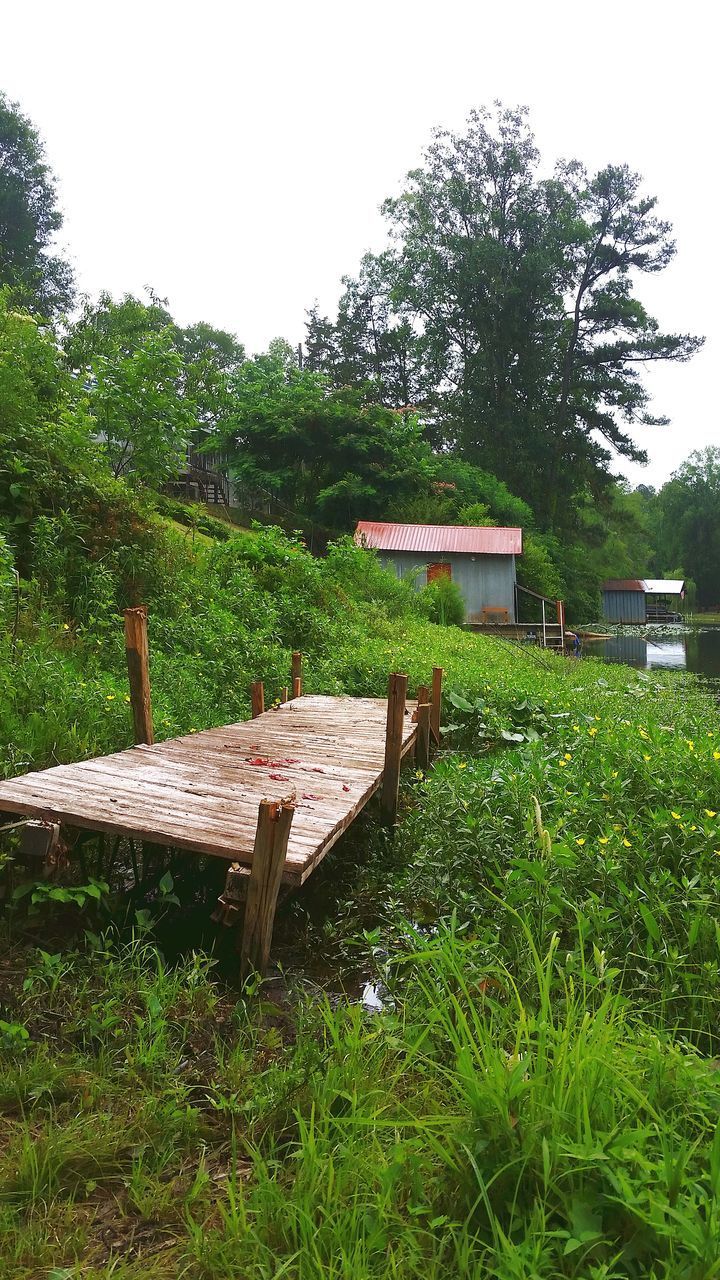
(324, 756)
(270, 795)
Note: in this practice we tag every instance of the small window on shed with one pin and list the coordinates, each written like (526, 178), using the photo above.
(442, 570)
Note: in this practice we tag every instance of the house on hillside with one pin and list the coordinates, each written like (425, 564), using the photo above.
(641, 600)
(480, 560)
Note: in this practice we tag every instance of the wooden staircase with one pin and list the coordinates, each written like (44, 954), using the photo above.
(550, 632)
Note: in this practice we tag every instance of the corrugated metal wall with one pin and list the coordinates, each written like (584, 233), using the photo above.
(624, 606)
(486, 581)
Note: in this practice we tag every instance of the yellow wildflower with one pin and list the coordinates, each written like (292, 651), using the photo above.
(674, 815)
(592, 732)
(580, 841)
(568, 756)
(716, 755)
(627, 843)
(711, 813)
(604, 839)
(646, 757)
(562, 764)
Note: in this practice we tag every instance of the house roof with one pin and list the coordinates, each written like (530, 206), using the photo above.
(438, 539)
(648, 586)
(664, 586)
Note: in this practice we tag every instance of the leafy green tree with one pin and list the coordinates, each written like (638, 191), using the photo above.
(40, 279)
(129, 381)
(689, 524)
(517, 293)
(368, 347)
(324, 453)
(42, 445)
(150, 388)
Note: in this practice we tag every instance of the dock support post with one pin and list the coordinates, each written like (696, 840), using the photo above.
(284, 693)
(269, 850)
(138, 665)
(437, 680)
(397, 694)
(422, 753)
(257, 698)
(297, 675)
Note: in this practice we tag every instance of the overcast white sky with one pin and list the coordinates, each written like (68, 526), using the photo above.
(233, 155)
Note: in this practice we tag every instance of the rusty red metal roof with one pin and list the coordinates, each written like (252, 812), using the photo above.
(440, 539)
(624, 584)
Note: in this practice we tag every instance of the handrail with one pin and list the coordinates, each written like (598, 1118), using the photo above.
(535, 594)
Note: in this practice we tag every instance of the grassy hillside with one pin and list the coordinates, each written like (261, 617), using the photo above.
(538, 1096)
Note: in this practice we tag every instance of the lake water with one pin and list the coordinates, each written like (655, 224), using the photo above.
(689, 651)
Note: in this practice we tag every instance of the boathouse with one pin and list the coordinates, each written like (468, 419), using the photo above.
(641, 600)
(481, 560)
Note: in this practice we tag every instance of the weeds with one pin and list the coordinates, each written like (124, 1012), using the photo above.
(538, 1095)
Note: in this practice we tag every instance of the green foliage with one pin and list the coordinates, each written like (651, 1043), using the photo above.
(689, 523)
(195, 516)
(536, 568)
(508, 299)
(7, 579)
(475, 513)
(442, 602)
(29, 219)
(548, 1033)
(324, 454)
(125, 357)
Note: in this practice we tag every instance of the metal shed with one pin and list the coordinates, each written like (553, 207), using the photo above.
(481, 560)
(640, 600)
(623, 600)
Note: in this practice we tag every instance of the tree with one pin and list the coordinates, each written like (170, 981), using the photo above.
(29, 219)
(368, 348)
(40, 443)
(129, 386)
(325, 454)
(150, 388)
(516, 293)
(689, 526)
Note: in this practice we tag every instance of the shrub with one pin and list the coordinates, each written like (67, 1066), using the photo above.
(7, 578)
(441, 601)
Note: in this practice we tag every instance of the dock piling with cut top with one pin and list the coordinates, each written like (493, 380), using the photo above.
(138, 665)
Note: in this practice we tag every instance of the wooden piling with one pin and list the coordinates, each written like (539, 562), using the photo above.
(437, 680)
(257, 698)
(422, 749)
(269, 850)
(138, 665)
(397, 694)
(284, 693)
(297, 675)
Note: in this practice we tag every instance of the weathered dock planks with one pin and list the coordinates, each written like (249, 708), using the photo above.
(325, 756)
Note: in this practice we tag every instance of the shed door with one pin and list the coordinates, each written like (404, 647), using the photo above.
(438, 571)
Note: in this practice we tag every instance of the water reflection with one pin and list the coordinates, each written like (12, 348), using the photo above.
(692, 651)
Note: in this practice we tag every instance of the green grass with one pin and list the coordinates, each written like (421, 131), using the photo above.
(539, 1095)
